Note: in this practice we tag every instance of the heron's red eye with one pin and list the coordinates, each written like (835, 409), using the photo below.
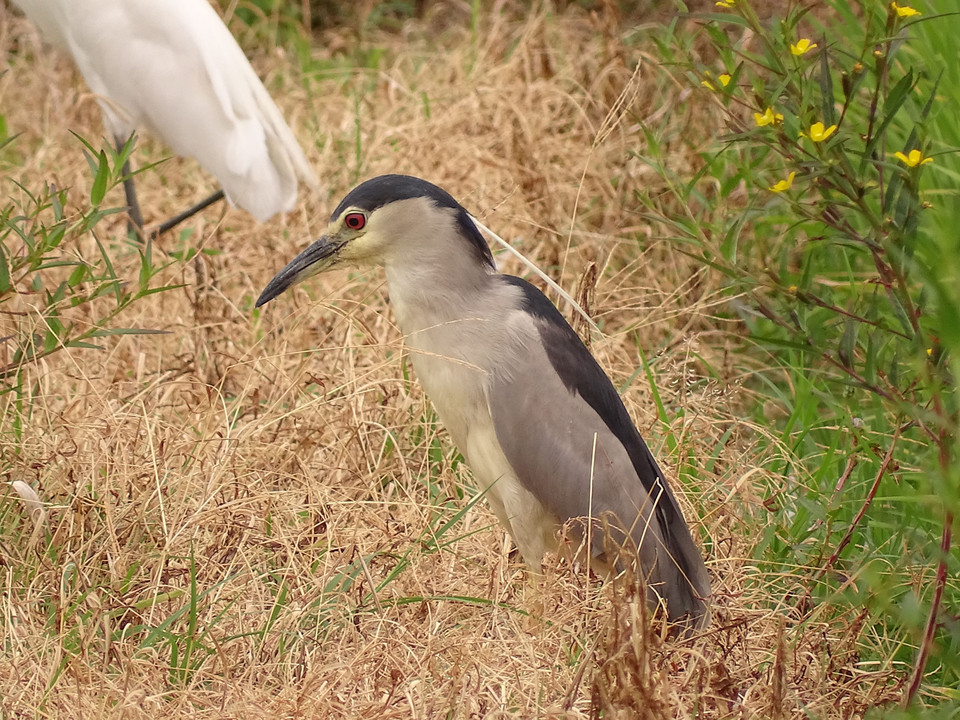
(355, 220)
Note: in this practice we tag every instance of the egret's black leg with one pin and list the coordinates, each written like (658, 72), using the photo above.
(134, 216)
(188, 213)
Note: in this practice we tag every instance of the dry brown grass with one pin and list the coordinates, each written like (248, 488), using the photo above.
(253, 461)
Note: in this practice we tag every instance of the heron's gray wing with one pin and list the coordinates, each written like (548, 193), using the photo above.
(565, 431)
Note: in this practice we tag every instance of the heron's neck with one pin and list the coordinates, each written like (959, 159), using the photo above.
(431, 288)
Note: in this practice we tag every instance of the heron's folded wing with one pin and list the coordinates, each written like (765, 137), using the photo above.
(569, 438)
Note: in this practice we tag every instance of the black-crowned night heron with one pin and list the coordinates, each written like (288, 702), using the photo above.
(539, 423)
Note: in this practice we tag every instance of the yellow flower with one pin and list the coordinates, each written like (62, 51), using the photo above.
(802, 46)
(903, 11)
(819, 133)
(913, 158)
(726, 3)
(783, 184)
(768, 117)
(724, 80)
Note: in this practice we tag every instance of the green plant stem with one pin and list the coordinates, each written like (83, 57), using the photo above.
(868, 501)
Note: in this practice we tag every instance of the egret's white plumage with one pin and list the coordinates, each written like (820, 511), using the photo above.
(173, 67)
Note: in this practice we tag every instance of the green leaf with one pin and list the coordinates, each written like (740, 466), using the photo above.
(848, 343)
(108, 332)
(99, 189)
(56, 202)
(78, 275)
(870, 360)
(51, 339)
(891, 106)
(110, 272)
(4, 271)
(81, 345)
(826, 90)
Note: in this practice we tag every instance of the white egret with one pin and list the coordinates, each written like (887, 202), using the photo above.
(173, 68)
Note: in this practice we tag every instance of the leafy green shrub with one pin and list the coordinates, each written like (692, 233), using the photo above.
(819, 220)
(59, 286)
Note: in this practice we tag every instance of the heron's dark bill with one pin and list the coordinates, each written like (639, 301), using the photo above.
(316, 258)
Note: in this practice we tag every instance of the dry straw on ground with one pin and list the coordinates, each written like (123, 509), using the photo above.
(253, 461)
